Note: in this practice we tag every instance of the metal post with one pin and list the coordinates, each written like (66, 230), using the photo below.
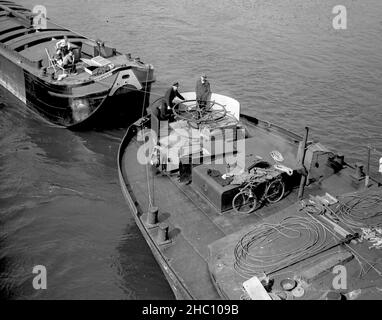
(303, 176)
(368, 167)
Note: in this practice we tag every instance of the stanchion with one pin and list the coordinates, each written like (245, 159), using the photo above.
(303, 176)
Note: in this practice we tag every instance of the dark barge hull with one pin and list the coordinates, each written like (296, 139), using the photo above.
(103, 101)
(108, 111)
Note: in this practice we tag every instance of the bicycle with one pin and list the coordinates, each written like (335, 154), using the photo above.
(246, 201)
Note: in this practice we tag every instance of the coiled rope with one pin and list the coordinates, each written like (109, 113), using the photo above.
(359, 210)
(310, 238)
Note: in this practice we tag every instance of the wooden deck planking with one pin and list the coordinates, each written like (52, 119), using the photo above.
(17, 32)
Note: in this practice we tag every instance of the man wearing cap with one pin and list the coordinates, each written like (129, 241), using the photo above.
(168, 104)
(203, 91)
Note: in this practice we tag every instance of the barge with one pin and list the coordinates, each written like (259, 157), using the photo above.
(233, 207)
(104, 87)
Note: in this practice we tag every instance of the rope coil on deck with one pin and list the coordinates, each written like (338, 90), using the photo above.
(309, 237)
(359, 210)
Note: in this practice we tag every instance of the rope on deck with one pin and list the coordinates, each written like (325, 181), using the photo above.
(252, 255)
(357, 255)
(359, 210)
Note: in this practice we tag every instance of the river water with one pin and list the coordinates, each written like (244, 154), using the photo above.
(60, 201)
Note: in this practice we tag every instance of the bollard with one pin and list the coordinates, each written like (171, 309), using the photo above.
(303, 177)
(152, 217)
(162, 237)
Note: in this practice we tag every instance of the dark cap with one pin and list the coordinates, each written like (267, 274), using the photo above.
(176, 84)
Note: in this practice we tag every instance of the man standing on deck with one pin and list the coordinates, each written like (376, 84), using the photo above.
(203, 91)
(167, 105)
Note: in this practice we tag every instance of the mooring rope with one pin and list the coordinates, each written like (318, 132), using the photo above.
(65, 28)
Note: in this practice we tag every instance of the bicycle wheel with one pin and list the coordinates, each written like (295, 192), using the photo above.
(244, 202)
(275, 191)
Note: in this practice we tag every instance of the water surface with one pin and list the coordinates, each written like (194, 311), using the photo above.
(60, 201)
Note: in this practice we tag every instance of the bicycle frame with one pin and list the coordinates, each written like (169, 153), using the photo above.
(248, 193)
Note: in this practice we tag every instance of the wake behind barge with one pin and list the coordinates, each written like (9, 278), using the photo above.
(223, 226)
(108, 88)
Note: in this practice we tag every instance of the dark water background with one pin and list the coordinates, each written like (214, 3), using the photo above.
(60, 201)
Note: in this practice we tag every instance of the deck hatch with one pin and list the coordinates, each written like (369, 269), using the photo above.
(7, 24)
(38, 41)
(37, 35)
(20, 33)
(17, 27)
(14, 34)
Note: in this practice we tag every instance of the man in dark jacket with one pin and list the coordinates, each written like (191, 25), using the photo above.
(167, 105)
(203, 91)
